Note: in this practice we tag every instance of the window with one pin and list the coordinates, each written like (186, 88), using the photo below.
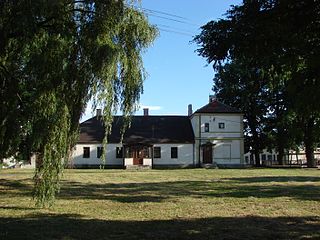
(223, 151)
(263, 157)
(206, 127)
(119, 152)
(146, 152)
(269, 157)
(221, 126)
(157, 152)
(128, 152)
(86, 152)
(99, 152)
(174, 152)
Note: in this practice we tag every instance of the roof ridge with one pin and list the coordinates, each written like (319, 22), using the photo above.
(217, 107)
(144, 129)
(95, 117)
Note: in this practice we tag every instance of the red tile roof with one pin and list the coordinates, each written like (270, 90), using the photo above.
(217, 107)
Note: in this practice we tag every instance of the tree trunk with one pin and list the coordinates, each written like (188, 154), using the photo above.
(281, 139)
(257, 157)
(255, 140)
(309, 143)
(280, 155)
(310, 156)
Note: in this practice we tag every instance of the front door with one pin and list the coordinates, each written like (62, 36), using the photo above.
(207, 154)
(137, 155)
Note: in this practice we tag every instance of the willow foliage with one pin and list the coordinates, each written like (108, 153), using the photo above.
(54, 57)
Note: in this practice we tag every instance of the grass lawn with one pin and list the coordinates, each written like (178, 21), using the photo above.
(166, 204)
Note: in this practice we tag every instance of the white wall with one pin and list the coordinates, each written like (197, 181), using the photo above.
(185, 154)
(228, 142)
(146, 162)
(128, 161)
(265, 156)
(93, 160)
(232, 122)
(227, 152)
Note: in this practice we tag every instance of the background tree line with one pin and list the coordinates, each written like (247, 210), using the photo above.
(266, 57)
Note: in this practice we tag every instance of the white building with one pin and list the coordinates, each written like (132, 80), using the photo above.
(290, 157)
(266, 158)
(213, 135)
(218, 131)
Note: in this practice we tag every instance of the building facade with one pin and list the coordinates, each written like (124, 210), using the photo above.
(212, 135)
(218, 131)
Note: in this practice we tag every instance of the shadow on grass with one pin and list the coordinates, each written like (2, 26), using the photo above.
(159, 191)
(258, 187)
(17, 208)
(282, 179)
(136, 199)
(305, 192)
(73, 227)
(16, 187)
(14, 184)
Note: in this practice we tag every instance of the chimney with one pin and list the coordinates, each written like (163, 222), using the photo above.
(212, 98)
(190, 110)
(99, 112)
(146, 112)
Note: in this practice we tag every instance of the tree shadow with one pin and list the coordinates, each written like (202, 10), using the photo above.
(17, 208)
(160, 191)
(14, 184)
(258, 187)
(136, 199)
(74, 227)
(124, 192)
(283, 179)
(304, 192)
(16, 187)
(133, 192)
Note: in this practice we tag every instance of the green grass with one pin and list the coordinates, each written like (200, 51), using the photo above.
(166, 204)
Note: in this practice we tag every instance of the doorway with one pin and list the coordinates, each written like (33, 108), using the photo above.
(207, 153)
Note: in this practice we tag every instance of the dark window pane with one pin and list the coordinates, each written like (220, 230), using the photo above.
(119, 152)
(221, 125)
(99, 152)
(128, 152)
(206, 127)
(174, 152)
(146, 152)
(157, 152)
(86, 152)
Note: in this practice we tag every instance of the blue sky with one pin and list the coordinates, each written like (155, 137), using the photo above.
(177, 76)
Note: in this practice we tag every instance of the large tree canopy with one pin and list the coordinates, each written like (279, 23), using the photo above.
(280, 41)
(240, 85)
(54, 57)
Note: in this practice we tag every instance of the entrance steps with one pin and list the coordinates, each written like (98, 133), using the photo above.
(138, 167)
(209, 165)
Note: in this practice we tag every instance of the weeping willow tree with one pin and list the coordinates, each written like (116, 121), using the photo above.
(54, 57)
